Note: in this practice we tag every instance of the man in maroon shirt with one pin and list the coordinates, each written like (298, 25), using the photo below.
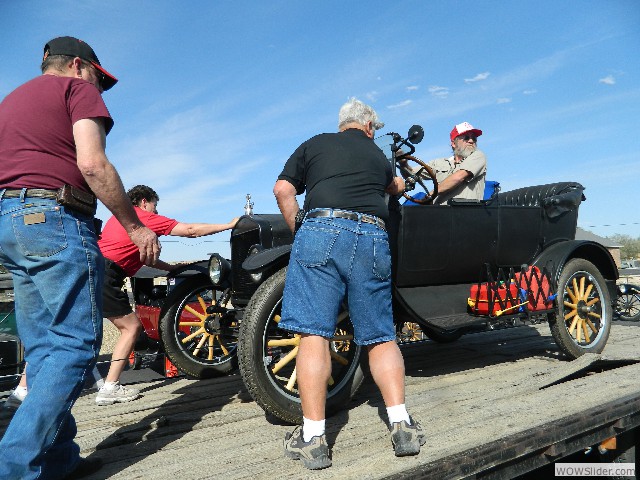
(52, 133)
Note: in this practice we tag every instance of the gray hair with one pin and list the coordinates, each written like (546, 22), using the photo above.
(354, 111)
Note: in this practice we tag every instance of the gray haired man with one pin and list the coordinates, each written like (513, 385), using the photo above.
(345, 177)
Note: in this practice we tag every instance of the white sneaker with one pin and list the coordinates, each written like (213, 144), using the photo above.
(14, 400)
(116, 394)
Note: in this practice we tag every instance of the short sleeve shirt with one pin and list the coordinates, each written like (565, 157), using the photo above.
(116, 245)
(37, 147)
(472, 188)
(344, 170)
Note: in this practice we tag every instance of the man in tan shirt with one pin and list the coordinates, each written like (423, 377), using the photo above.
(462, 175)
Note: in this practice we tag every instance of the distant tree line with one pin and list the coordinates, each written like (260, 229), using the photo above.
(630, 247)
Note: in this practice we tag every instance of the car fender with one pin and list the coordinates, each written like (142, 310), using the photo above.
(555, 257)
(269, 259)
(190, 269)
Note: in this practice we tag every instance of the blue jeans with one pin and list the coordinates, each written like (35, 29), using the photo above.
(332, 258)
(57, 271)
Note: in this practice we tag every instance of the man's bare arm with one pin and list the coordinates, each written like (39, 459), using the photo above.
(286, 197)
(396, 187)
(104, 181)
(194, 230)
(453, 181)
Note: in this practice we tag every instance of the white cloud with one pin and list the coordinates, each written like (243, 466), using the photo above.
(530, 91)
(608, 80)
(503, 100)
(371, 96)
(437, 91)
(412, 88)
(404, 103)
(479, 77)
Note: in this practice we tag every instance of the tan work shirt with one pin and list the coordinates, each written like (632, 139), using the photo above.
(473, 187)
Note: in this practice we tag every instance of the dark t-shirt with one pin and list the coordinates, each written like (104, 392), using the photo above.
(343, 170)
(37, 148)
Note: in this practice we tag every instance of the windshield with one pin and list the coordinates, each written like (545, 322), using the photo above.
(385, 142)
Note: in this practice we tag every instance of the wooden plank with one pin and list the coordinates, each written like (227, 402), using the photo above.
(474, 392)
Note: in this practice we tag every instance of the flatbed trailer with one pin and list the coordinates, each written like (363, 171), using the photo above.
(494, 405)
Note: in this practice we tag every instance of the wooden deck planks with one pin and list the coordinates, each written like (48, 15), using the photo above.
(481, 388)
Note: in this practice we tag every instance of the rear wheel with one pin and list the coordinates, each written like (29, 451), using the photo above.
(199, 331)
(409, 332)
(583, 315)
(267, 356)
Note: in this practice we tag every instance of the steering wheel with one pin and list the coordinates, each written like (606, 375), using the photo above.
(417, 177)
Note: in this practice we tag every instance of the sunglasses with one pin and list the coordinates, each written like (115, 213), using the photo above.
(469, 138)
(99, 75)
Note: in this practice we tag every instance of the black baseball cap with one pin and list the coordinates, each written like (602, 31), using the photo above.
(77, 48)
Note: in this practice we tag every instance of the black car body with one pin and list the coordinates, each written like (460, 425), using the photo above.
(223, 311)
(524, 239)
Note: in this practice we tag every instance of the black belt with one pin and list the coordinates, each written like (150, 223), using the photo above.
(328, 212)
(31, 192)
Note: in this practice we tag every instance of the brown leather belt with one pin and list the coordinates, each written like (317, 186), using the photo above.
(67, 196)
(332, 213)
(31, 192)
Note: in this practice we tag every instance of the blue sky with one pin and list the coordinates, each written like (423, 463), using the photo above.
(215, 95)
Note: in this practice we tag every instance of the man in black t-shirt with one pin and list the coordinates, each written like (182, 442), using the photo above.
(342, 250)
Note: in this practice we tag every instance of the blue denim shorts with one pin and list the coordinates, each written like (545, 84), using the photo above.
(333, 260)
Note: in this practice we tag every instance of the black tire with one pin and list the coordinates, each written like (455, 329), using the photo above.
(582, 320)
(628, 307)
(135, 361)
(263, 345)
(193, 341)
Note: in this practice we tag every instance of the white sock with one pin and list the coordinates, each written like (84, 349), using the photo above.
(98, 378)
(311, 428)
(20, 392)
(398, 413)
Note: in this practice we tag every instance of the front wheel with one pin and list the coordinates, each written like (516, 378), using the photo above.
(583, 315)
(199, 331)
(267, 356)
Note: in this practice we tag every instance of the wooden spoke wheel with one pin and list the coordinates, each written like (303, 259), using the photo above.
(583, 318)
(267, 356)
(199, 330)
(410, 332)
(628, 306)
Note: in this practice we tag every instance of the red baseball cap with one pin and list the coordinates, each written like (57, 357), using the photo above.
(77, 48)
(462, 128)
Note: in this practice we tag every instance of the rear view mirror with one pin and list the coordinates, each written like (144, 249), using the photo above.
(416, 134)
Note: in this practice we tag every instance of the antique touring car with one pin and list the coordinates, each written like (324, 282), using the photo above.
(457, 268)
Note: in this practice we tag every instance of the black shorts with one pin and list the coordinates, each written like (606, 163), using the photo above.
(115, 302)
